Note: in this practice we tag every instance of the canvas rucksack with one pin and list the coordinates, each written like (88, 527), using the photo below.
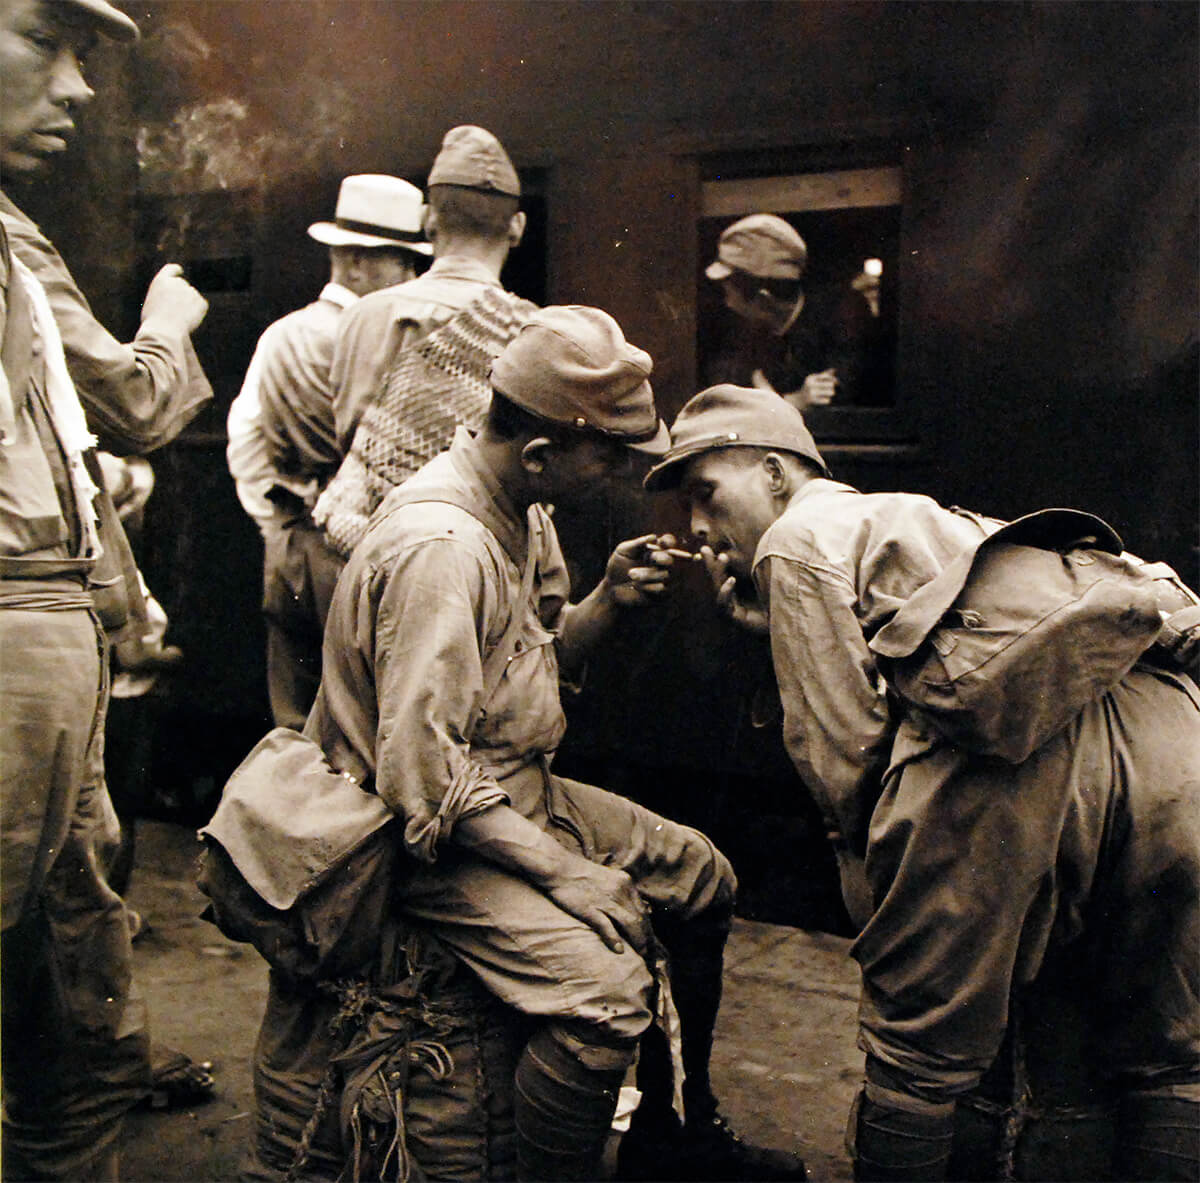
(1030, 624)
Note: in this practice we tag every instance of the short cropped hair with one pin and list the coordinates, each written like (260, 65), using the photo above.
(472, 212)
(752, 455)
(508, 421)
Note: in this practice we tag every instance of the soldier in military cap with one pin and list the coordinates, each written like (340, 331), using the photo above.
(473, 220)
(806, 344)
(1045, 901)
(74, 1038)
(542, 886)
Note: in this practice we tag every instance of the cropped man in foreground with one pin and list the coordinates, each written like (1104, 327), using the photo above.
(74, 1040)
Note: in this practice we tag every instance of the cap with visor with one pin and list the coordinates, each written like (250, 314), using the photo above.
(108, 19)
(762, 245)
(729, 416)
(571, 365)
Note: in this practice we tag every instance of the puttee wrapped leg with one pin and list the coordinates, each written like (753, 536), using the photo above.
(895, 1136)
(563, 1106)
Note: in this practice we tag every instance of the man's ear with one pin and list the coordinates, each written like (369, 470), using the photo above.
(428, 221)
(516, 229)
(778, 477)
(535, 454)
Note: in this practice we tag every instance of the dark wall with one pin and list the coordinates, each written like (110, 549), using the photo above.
(1047, 349)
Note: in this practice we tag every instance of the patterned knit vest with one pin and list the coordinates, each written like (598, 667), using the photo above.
(430, 390)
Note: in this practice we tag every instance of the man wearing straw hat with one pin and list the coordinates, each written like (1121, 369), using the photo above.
(282, 447)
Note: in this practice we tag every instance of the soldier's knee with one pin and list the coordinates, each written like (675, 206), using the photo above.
(613, 1002)
(712, 882)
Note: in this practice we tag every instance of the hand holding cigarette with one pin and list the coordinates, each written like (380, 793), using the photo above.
(665, 544)
(747, 614)
(638, 569)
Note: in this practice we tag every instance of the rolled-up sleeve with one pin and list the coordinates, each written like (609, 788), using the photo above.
(137, 396)
(430, 606)
(837, 728)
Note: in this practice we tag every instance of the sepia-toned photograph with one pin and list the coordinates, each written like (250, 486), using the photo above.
(599, 590)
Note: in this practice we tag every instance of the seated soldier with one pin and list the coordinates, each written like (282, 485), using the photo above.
(541, 886)
(999, 896)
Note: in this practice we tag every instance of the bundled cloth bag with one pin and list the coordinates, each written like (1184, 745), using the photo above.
(1025, 628)
(438, 385)
(288, 823)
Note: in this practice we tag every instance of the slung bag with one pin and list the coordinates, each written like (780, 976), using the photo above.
(290, 831)
(289, 828)
(1022, 630)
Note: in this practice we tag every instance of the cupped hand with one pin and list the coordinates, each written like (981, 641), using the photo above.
(638, 569)
(747, 614)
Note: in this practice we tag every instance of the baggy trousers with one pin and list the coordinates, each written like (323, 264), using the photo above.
(1070, 882)
(300, 570)
(75, 1049)
(546, 963)
(525, 950)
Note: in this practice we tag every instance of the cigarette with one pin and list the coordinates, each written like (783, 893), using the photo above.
(674, 552)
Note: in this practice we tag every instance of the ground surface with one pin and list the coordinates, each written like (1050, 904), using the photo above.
(785, 1064)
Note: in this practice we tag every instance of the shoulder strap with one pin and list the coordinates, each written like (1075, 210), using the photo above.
(496, 661)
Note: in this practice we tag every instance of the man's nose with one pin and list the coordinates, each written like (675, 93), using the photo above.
(698, 527)
(68, 84)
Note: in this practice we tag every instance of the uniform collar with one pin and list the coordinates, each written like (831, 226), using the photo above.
(493, 506)
(462, 267)
(335, 293)
(811, 488)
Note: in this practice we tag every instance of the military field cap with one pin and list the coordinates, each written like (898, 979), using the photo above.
(475, 159)
(762, 245)
(108, 19)
(572, 365)
(375, 210)
(729, 416)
